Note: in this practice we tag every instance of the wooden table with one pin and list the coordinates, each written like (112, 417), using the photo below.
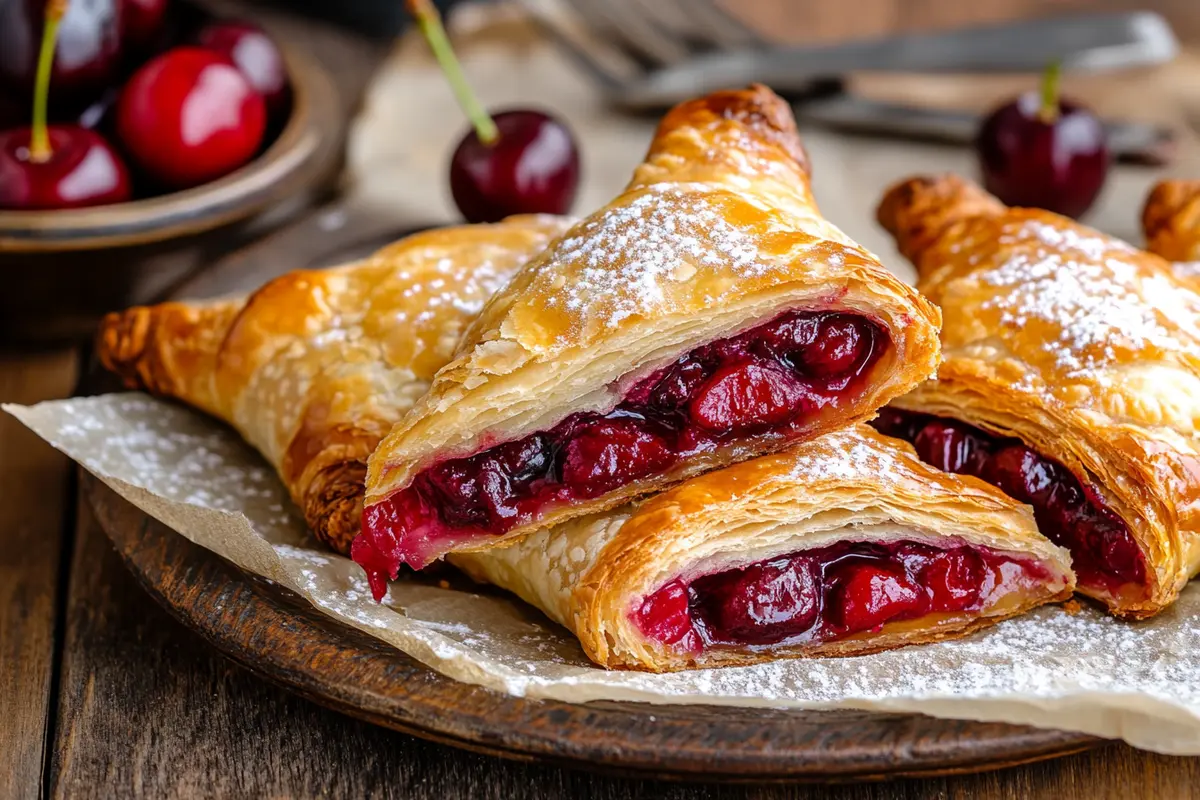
(103, 694)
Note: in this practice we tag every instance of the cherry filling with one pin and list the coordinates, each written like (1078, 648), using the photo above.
(1069, 512)
(830, 593)
(774, 380)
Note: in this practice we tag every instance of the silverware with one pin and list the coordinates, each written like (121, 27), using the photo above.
(648, 54)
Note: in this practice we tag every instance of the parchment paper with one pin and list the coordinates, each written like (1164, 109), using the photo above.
(1087, 672)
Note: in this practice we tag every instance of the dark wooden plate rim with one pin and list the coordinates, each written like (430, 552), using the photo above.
(279, 637)
(308, 142)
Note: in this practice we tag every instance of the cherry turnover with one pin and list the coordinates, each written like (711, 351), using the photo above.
(772, 380)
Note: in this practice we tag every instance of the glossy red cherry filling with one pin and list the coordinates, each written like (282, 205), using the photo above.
(1069, 512)
(774, 380)
(830, 593)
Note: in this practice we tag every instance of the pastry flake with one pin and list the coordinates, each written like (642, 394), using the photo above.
(316, 366)
(707, 315)
(1071, 379)
(842, 545)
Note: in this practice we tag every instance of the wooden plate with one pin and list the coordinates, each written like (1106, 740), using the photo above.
(276, 635)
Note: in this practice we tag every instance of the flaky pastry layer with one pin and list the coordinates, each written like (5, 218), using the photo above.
(1171, 222)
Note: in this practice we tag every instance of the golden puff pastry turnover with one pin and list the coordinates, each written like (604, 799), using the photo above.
(316, 366)
(707, 315)
(1171, 221)
(842, 545)
(1071, 380)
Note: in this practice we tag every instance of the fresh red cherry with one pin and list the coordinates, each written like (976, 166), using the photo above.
(64, 166)
(255, 54)
(531, 167)
(1041, 151)
(519, 162)
(88, 52)
(189, 116)
(81, 170)
(143, 22)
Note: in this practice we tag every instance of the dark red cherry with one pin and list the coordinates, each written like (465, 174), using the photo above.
(952, 447)
(953, 579)
(515, 162)
(900, 424)
(841, 343)
(256, 55)
(664, 616)
(1024, 475)
(532, 168)
(143, 21)
(607, 453)
(747, 395)
(764, 603)
(870, 595)
(189, 116)
(87, 54)
(1041, 151)
(82, 170)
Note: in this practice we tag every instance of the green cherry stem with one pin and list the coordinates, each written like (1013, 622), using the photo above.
(1048, 110)
(39, 138)
(430, 22)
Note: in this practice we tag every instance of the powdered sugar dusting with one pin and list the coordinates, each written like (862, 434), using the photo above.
(852, 457)
(630, 253)
(1084, 287)
(1089, 672)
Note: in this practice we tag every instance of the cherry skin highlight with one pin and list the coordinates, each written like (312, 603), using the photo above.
(254, 53)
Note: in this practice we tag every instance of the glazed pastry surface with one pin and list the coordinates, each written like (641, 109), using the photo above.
(1077, 345)
(1171, 222)
(716, 233)
(317, 365)
(593, 574)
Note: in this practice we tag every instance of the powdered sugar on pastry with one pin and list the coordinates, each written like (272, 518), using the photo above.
(666, 234)
(1092, 300)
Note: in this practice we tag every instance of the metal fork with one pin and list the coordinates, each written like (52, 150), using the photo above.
(653, 53)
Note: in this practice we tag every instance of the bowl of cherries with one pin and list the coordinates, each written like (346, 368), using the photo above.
(130, 126)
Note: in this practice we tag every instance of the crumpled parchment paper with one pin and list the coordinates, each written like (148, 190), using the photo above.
(1088, 672)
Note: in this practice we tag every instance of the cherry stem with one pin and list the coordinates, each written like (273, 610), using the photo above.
(430, 22)
(39, 137)
(1048, 111)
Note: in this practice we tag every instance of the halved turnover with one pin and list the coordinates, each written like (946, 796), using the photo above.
(842, 545)
(1071, 380)
(707, 315)
(1171, 222)
(316, 366)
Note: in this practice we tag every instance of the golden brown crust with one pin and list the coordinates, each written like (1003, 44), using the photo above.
(853, 485)
(1083, 347)
(168, 349)
(316, 366)
(716, 233)
(1171, 222)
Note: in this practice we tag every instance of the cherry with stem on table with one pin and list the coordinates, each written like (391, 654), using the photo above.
(57, 166)
(1043, 151)
(520, 161)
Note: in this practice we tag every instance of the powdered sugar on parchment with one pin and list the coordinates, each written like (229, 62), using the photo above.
(630, 253)
(1083, 286)
(1089, 672)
